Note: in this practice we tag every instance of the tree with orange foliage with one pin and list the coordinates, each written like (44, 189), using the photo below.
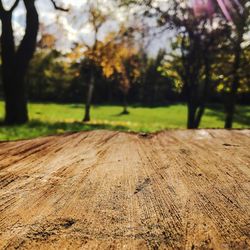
(96, 19)
(118, 60)
(116, 56)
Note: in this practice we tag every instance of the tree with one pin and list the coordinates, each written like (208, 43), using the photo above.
(234, 15)
(97, 52)
(96, 19)
(224, 74)
(15, 61)
(240, 28)
(196, 44)
(237, 14)
(118, 59)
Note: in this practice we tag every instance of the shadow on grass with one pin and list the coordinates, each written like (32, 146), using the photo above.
(242, 114)
(74, 126)
(36, 128)
(134, 106)
(121, 114)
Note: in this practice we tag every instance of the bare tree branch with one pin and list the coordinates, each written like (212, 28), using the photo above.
(4, 11)
(14, 6)
(58, 7)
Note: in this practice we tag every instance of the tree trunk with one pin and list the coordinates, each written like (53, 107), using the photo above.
(199, 115)
(191, 116)
(230, 110)
(16, 111)
(230, 104)
(231, 99)
(13, 85)
(125, 105)
(205, 94)
(15, 63)
(89, 99)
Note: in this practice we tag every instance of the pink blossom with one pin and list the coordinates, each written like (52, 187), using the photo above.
(202, 7)
(206, 7)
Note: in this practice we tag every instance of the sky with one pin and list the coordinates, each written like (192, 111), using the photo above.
(55, 22)
(67, 28)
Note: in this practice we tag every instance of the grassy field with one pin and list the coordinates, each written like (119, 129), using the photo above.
(47, 119)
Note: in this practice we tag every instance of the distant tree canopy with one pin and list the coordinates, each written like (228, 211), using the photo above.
(53, 77)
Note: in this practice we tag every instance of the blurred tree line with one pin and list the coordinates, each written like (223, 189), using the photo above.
(54, 76)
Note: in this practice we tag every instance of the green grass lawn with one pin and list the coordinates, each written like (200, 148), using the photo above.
(47, 119)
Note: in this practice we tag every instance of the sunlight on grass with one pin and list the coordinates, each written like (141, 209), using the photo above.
(47, 119)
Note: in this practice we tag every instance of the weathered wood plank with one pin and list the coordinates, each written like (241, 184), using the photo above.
(111, 190)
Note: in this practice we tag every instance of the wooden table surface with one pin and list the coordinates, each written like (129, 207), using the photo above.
(176, 189)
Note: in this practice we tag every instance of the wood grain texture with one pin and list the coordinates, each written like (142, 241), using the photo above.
(111, 190)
